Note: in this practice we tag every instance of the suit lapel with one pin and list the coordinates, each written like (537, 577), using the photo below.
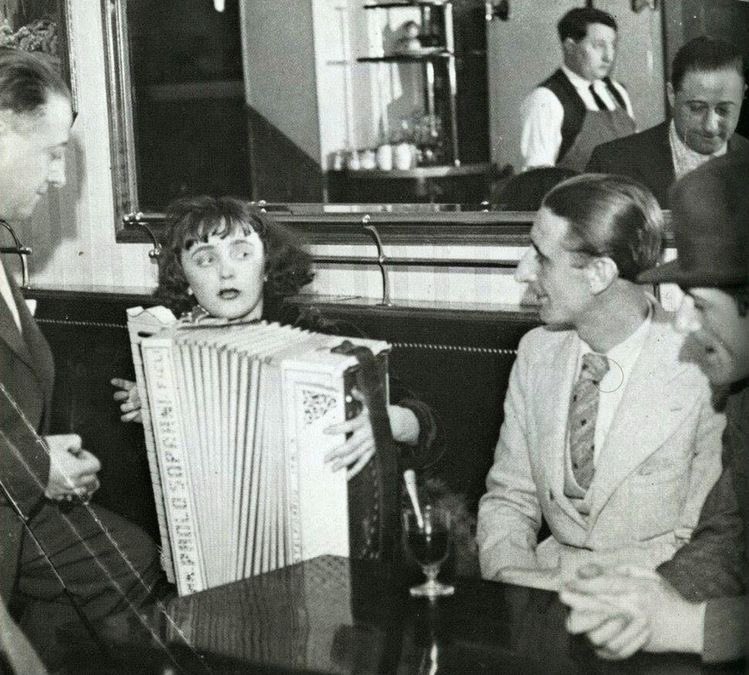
(9, 332)
(555, 389)
(31, 347)
(640, 427)
(660, 163)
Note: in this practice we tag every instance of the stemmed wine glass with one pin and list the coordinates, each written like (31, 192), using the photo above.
(428, 541)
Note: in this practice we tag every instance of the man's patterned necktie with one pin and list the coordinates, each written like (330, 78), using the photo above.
(583, 414)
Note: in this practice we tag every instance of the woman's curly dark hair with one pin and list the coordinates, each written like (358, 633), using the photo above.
(194, 219)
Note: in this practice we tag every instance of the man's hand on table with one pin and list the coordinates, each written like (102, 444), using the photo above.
(626, 608)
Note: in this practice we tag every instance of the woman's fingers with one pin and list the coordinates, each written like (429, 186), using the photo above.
(128, 405)
(358, 448)
(128, 398)
(350, 451)
(122, 383)
(360, 463)
(349, 426)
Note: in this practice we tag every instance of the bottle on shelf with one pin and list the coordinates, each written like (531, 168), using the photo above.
(367, 159)
(353, 163)
(384, 157)
(404, 150)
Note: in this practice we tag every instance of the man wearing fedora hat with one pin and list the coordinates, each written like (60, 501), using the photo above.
(697, 600)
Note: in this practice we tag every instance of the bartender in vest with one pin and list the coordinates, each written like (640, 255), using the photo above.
(579, 106)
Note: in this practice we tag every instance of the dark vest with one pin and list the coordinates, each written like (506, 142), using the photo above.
(573, 106)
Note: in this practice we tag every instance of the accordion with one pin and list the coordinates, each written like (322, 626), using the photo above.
(234, 416)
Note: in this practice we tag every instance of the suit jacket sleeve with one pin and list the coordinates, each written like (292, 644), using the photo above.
(430, 444)
(596, 163)
(705, 467)
(509, 513)
(725, 629)
(24, 462)
(712, 564)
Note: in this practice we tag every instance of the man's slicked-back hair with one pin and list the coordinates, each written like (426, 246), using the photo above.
(705, 54)
(611, 216)
(27, 80)
(574, 24)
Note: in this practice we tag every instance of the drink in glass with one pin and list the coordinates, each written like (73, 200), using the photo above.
(428, 540)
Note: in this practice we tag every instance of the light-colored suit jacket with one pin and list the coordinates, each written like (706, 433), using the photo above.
(659, 460)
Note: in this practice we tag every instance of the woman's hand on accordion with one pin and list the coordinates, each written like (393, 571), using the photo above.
(359, 447)
(128, 398)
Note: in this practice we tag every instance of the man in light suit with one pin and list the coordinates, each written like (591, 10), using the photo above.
(696, 602)
(705, 94)
(102, 563)
(608, 434)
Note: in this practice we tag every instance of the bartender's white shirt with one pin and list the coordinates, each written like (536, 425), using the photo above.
(543, 114)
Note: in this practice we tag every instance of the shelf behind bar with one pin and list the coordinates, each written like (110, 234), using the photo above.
(406, 58)
(420, 172)
(409, 4)
(415, 262)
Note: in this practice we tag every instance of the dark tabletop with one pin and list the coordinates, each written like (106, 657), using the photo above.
(334, 615)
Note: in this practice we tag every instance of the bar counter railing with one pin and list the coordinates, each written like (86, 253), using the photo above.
(21, 251)
(146, 221)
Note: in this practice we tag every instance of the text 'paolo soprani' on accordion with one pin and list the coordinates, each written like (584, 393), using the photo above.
(234, 417)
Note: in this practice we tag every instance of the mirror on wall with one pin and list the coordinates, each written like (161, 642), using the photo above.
(326, 101)
(289, 101)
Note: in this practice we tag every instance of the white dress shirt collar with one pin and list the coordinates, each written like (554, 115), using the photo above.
(577, 80)
(582, 86)
(685, 159)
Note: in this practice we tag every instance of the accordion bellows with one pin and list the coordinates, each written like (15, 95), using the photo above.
(234, 417)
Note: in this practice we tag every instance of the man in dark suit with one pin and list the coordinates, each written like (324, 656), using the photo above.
(59, 555)
(705, 94)
(697, 602)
